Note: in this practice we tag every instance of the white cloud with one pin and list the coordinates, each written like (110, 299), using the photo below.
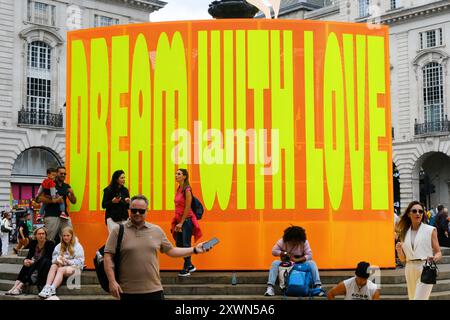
(182, 10)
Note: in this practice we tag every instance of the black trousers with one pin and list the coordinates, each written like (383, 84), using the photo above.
(443, 240)
(183, 240)
(42, 266)
(158, 295)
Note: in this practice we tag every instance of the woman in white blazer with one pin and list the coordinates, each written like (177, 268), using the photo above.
(418, 243)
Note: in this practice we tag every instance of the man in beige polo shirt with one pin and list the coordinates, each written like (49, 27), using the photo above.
(139, 265)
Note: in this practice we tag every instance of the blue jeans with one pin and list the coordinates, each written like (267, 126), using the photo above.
(273, 273)
(184, 240)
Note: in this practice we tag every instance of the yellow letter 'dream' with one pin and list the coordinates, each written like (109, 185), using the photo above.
(140, 130)
(78, 115)
(98, 154)
(334, 156)
(378, 159)
(314, 156)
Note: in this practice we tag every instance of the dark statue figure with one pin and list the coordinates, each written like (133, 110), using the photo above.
(231, 9)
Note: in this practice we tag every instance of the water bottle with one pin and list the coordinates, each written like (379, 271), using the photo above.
(234, 279)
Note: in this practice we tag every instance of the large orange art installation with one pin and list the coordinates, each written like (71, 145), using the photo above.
(278, 122)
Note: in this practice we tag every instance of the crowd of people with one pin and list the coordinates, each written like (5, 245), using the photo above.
(56, 253)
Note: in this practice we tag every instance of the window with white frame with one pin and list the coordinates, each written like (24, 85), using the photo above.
(433, 93)
(41, 13)
(364, 8)
(395, 4)
(103, 21)
(38, 82)
(431, 38)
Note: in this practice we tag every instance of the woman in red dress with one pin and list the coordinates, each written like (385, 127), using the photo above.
(185, 223)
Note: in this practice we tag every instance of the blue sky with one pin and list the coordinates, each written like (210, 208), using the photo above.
(182, 10)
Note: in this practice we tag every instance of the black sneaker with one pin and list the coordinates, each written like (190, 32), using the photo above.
(184, 273)
(192, 268)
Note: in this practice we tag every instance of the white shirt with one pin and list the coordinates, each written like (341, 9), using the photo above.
(413, 237)
(422, 243)
(353, 292)
(77, 259)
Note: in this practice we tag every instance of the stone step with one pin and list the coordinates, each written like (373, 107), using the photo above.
(215, 289)
(65, 297)
(94, 289)
(10, 272)
(22, 253)
(445, 252)
(14, 259)
(434, 296)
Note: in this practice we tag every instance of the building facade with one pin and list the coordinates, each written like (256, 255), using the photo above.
(33, 81)
(420, 85)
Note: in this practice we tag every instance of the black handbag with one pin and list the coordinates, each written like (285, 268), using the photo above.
(429, 273)
(100, 265)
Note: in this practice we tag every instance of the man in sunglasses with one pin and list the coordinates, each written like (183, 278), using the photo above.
(139, 277)
(52, 220)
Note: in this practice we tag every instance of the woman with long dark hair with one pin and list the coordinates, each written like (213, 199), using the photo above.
(37, 263)
(418, 243)
(184, 224)
(116, 200)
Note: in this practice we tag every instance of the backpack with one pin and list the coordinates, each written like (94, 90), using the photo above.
(283, 271)
(100, 265)
(299, 281)
(196, 206)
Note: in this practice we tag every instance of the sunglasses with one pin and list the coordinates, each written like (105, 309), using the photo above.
(140, 211)
(420, 211)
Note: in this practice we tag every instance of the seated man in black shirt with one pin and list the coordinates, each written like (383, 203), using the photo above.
(53, 222)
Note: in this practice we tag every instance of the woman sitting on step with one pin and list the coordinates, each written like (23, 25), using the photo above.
(294, 247)
(36, 264)
(68, 259)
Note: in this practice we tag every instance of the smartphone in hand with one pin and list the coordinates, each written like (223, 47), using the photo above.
(209, 244)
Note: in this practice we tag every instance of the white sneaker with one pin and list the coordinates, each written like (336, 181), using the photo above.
(52, 291)
(269, 291)
(45, 293)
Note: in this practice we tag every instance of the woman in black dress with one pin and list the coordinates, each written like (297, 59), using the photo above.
(116, 200)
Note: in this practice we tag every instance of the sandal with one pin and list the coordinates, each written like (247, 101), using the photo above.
(15, 292)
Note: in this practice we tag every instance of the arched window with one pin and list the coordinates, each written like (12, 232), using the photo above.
(433, 95)
(38, 82)
(34, 162)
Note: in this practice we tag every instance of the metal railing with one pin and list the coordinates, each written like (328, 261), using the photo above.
(441, 126)
(40, 118)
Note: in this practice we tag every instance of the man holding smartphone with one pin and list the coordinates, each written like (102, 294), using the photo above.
(139, 277)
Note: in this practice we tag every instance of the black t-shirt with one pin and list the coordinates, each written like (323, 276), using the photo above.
(52, 209)
(25, 231)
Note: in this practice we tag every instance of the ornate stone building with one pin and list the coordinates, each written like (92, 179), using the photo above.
(420, 84)
(33, 77)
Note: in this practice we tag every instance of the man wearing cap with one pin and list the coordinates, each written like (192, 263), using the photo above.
(357, 288)
(139, 277)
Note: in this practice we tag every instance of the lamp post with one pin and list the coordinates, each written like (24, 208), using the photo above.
(232, 9)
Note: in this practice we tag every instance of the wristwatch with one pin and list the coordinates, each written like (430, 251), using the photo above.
(195, 250)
